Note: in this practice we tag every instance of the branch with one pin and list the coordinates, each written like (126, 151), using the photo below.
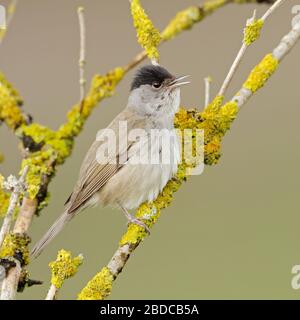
(82, 58)
(45, 149)
(42, 145)
(11, 12)
(215, 122)
(17, 186)
(63, 268)
(251, 34)
(207, 82)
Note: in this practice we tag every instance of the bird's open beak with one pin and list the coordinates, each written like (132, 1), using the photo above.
(177, 82)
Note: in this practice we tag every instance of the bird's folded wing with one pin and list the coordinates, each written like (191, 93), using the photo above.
(94, 175)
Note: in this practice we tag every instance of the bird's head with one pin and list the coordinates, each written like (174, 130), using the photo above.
(155, 91)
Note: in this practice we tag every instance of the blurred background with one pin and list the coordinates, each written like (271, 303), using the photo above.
(232, 232)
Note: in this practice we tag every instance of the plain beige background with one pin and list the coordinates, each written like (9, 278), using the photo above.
(232, 232)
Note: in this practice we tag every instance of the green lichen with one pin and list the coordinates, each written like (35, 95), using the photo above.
(252, 31)
(148, 36)
(64, 267)
(261, 73)
(16, 245)
(99, 287)
(184, 20)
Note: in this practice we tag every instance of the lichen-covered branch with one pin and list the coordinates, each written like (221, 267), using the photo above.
(15, 246)
(64, 267)
(10, 105)
(251, 34)
(262, 72)
(216, 120)
(17, 186)
(186, 19)
(148, 36)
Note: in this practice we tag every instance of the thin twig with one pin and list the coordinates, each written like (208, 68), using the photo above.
(232, 70)
(17, 189)
(82, 55)
(51, 295)
(23, 222)
(207, 82)
(11, 12)
(243, 49)
(236, 62)
(10, 283)
(272, 9)
(284, 47)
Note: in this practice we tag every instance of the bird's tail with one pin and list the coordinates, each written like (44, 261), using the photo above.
(51, 234)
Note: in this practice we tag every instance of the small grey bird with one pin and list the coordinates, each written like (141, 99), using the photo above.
(153, 101)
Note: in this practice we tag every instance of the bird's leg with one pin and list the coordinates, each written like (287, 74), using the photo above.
(134, 220)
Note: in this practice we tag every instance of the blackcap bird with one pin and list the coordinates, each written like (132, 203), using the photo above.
(153, 101)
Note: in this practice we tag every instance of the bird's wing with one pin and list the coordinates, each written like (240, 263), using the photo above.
(93, 175)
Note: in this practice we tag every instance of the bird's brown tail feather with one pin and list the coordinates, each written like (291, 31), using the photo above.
(51, 234)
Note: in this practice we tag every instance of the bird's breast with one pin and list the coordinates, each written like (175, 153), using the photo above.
(151, 164)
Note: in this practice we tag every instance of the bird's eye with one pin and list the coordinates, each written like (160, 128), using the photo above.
(156, 85)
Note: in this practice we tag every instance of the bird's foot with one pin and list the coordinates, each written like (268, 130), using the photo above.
(134, 220)
(139, 223)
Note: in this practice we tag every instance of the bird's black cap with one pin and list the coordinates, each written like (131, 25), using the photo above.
(149, 74)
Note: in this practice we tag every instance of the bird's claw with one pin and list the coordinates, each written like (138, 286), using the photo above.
(139, 223)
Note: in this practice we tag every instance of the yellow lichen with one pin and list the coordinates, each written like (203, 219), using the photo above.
(252, 31)
(4, 202)
(39, 164)
(16, 245)
(215, 104)
(10, 89)
(215, 120)
(183, 20)
(49, 148)
(150, 212)
(99, 287)
(64, 267)
(4, 198)
(261, 73)
(10, 112)
(212, 5)
(148, 36)
(10, 102)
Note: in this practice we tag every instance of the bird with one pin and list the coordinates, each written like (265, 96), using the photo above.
(112, 178)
